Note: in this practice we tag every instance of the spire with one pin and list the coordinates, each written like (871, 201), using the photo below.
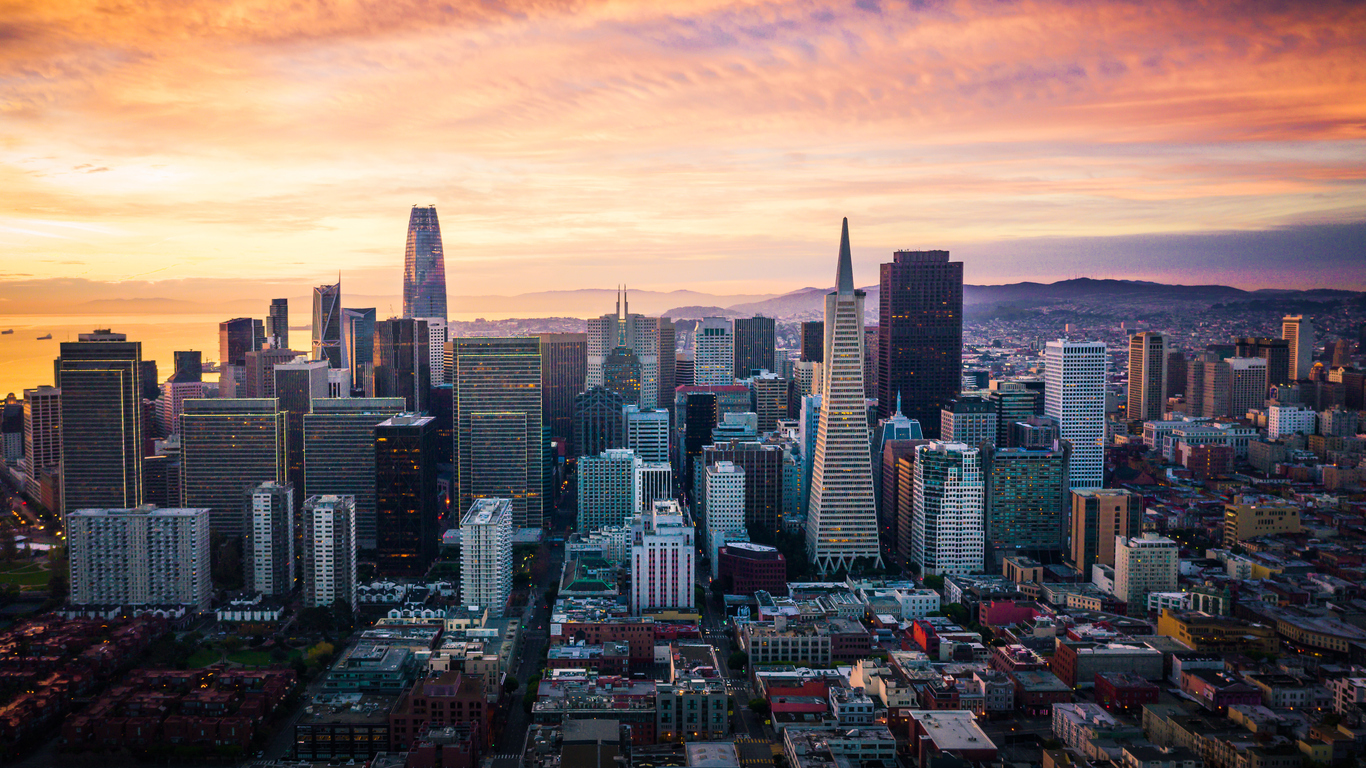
(625, 301)
(898, 402)
(844, 274)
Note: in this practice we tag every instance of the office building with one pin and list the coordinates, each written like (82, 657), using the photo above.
(1034, 432)
(1014, 402)
(277, 325)
(755, 342)
(841, 519)
(813, 341)
(638, 333)
(339, 454)
(607, 489)
(298, 383)
(500, 444)
(564, 367)
(147, 380)
(189, 365)
(768, 394)
(920, 335)
(947, 532)
(139, 557)
(1276, 353)
(1233, 386)
(1147, 376)
(101, 421)
(667, 337)
(268, 546)
(870, 365)
(42, 436)
(259, 371)
(683, 371)
(599, 421)
(237, 337)
(763, 477)
(436, 349)
(407, 510)
(663, 559)
(968, 420)
(654, 482)
(1142, 565)
(621, 374)
(486, 555)
(358, 338)
(1249, 521)
(403, 361)
(1283, 420)
(1176, 372)
(1097, 517)
(1026, 498)
(327, 326)
(807, 379)
(891, 517)
(1074, 396)
(227, 447)
(424, 266)
(724, 507)
(647, 432)
(329, 543)
(714, 353)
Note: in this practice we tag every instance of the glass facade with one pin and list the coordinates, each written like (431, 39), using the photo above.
(228, 447)
(406, 508)
(424, 266)
(101, 418)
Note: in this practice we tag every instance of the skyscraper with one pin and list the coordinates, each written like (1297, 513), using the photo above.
(424, 266)
(564, 367)
(607, 489)
(486, 555)
(663, 564)
(948, 528)
(268, 547)
(725, 507)
(329, 541)
(969, 420)
(598, 421)
(260, 371)
(139, 556)
(1147, 376)
(327, 325)
(841, 521)
(647, 433)
(668, 369)
(227, 447)
(621, 374)
(298, 384)
(402, 361)
(437, 336)
(1233, 386)
(1277, 354)
(499, 444)
(755, 342)
(1097, 517)
(277, 324)
(714, 353)
(101, 421)
(406, 508)
(339, 454)
(1143, 565)
(920, 335)
(768, 391)
(189, 365)
(813, 341)
(1074, 395)
(1026, 498)
(42, 436)
(358, 337)
(237, 337)
(1014, 403)
(763, 480)
(638, 333)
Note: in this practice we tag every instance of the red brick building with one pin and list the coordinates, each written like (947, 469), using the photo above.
(1037, 691)
(450, 698)
(745, 568)
(1123, 692)
(938, 695)
(454, 746)
(638, 634)
(1217, 690)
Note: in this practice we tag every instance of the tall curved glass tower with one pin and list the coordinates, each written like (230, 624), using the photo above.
(424, 266)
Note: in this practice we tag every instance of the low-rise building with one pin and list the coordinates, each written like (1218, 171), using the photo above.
(1090, 730)
(1216, 691)
(1037, 692)
(1207, 633)
(1077, 663)
(1124, 692)
(952, 733)
(823, 747)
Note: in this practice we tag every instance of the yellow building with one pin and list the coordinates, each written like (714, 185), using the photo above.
(1216, 634)
(1248, 521)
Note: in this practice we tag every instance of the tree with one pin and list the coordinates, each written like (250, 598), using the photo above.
(759, 707)
(342, 616)
(510, 684)
(317, 619)
(717, 588)
(738, 660)
(934, 581)
(232, 643)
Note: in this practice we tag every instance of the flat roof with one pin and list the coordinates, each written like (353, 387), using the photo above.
(713, 754)
(953, 729)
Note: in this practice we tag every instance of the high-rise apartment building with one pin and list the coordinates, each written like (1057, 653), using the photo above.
(621, 374)
(1233, 386)
(1026, 498)
(358, 339)
(714, 353)
(327, 326)
(920, 335)
(725, 508)
(968, 420)
(139, 556)
(499, 443)
(42, 436)
(663, 559)
(1142, 565)
(486, 555)
(329, 543)
(755, 341)
(268, 546)
(813, 341)
(1276, 353)
(768, 393)
(647, 433)
(339, 454)
(424, 266)
(599, 416)
(403, 362)
(564, 368)
(227, 447)
(1147, 376)
(101, 421)
(1098, 517)
(1074, 395)
(947, 529)
(763, 475)
(841, 519)
(607, 489)
(668, 370)
(437, 336)
(277, 324)
(407, 510)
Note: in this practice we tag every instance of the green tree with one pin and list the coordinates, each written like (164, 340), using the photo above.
(738, 660)
(934, 581)
(232, 643)
(342, 616)
(759, 707)
(510, 684)
(316, 619)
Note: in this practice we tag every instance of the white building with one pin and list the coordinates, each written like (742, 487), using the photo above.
(714, 356)
(725, 506)
(42, 436)
(1074, 395)
(436, 348)
(607, 488)
(486, 555)
(663, 559)
(1282, 420)
(1300, 333)
(948, 535)
(140, 556)
(1143, 565)
(647, 432)
(968, 420)
(172, 403)
(654, 482)
(329, 550)
(268, 547)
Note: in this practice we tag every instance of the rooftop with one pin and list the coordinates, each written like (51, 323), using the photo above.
(954, 729)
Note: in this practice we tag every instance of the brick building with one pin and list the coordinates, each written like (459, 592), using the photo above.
(746, 568)
(448, 698)
(1124, 692)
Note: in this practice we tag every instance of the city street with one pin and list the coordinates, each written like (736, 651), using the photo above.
(535, 635)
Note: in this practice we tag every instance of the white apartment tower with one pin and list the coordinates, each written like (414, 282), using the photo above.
(42, 436)
(1144, 564)
(436, 348)
(172, 403)
(948, 524)
(486, 555)
(140, 556)
(1282, 420)
(1074, 395)
(841, 519)
(607, 488)
(329, 550)
(1147, 376)
(663, 559)
(725, 507)
(268, 547)
(1297, 330)
(647, 432)
(714, 353)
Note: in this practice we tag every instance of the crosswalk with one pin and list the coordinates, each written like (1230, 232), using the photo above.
(755, 753)
(506, 756)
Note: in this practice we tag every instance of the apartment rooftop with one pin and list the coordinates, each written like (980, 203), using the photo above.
(952, 729)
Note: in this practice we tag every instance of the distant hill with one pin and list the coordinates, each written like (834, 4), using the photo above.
(696, 313)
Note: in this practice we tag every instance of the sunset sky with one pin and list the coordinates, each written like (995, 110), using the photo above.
(671, 143)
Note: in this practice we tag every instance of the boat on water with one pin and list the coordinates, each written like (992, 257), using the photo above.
(6, 332)
(45, 338)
